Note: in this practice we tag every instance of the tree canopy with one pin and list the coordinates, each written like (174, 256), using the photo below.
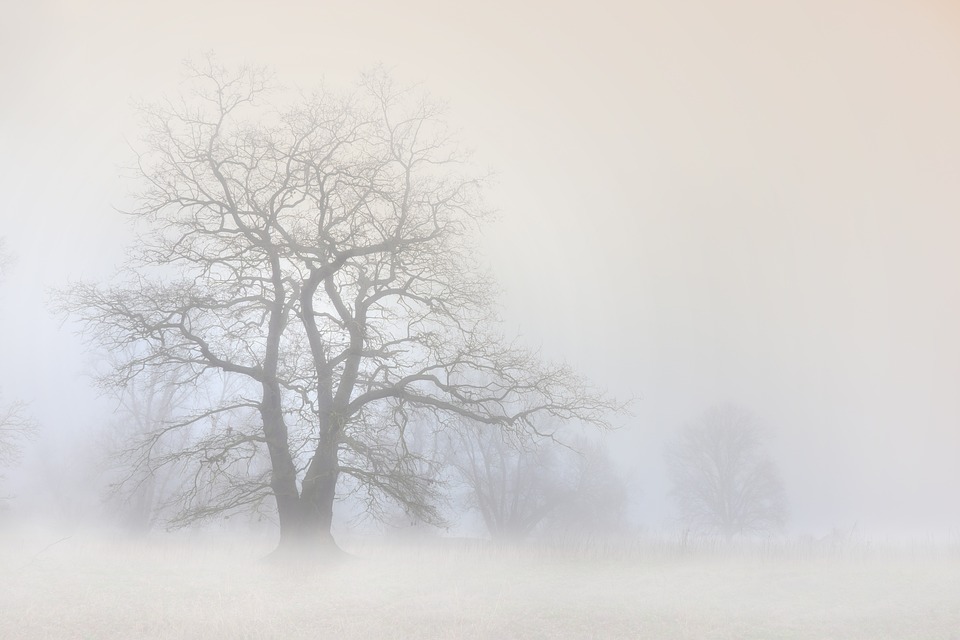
(320, 252)
(723, 481)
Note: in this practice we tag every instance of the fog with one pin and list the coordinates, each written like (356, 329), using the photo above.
(698, 205)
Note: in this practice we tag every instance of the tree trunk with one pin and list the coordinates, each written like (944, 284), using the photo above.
(320, 487)
(283, 480)
(306, 519)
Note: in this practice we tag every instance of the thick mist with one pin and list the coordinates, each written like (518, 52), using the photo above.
(738, 221)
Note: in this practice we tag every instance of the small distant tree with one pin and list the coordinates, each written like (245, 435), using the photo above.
(16, 426)
(597, 501)
(723, 481)
(137, 447)
(509, 480)
(520, 484)
(416, 462)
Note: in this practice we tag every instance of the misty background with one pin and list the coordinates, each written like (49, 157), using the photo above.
(698, 204)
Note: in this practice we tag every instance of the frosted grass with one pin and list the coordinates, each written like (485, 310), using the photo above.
(97, 587)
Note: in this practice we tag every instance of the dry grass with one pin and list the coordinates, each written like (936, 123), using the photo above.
(86, 587)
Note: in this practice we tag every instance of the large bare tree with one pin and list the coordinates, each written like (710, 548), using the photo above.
(724, 483)
(320, 252)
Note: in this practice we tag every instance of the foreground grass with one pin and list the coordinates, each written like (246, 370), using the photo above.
(90, 588)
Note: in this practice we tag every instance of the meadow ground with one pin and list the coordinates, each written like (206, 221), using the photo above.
(94, 587)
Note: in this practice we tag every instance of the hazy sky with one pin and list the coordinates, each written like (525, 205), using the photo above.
(699, 201)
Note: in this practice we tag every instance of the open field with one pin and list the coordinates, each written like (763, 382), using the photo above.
(84, 587)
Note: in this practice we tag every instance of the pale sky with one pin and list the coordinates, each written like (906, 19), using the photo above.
(699, 201)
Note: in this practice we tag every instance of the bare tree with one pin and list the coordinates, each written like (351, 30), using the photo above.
(5, 258)
(320, 254)
(723, 481)
(598, 497)
(519, 484)
(16, 426)
(510, 479)
(418, 456)
(141, 487)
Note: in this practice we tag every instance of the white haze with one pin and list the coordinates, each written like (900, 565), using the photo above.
(699, 202)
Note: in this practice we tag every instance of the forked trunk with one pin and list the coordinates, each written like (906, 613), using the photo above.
(320, 484)
(283, 479)
(308, 530)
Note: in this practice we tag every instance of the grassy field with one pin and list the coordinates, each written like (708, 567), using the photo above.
(86, 587)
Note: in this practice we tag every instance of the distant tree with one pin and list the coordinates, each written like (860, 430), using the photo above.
(520, 484)
(511, 481)
(16, 426)
(597, 501)
(422, 458)
(143, 449)
(320, 254)
(723, 481)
